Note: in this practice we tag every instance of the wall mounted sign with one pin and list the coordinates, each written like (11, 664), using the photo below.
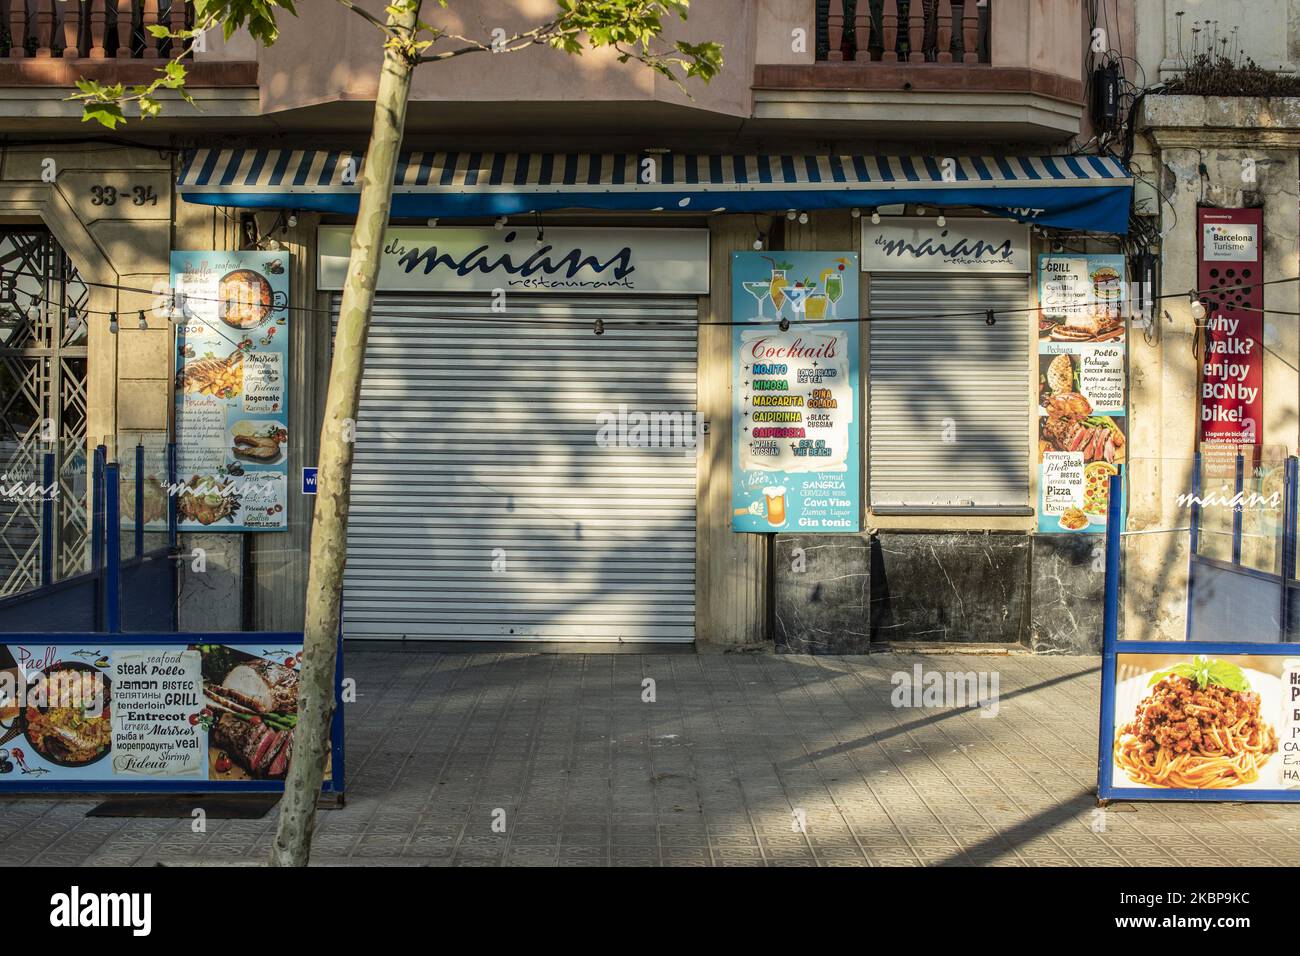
(1232, 357)
(1082, 395)
(987, 245)
(475, 259)
(795, 460)
(231, 397)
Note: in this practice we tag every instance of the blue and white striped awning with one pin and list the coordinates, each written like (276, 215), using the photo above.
(1073, 192)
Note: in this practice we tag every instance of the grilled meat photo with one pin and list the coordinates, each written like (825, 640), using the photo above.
(263, 752)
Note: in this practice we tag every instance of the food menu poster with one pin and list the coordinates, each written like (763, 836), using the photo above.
(232, 355)
(217, 713)
(795, 422)
(1248, 714)
(1082, 389)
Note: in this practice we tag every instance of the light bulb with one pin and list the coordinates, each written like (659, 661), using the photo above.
(501, 222)
(293, 219)
(920, 210)
(112, 322)
(855, 212)
(758, 244)
(791, 214)
(143, 324)
(432, 222)
(875, 218)
(1198, 307)
(941, 222)
(803, 219)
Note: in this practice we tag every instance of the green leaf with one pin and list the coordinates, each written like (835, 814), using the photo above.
(161, 32)
(106, 114)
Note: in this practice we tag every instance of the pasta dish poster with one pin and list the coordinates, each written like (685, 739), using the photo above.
(1082, 389)
(232, 354)
(795, 458)
(1203, 720)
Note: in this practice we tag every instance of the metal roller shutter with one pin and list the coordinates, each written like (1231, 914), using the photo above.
(482, 506)
(948, 397)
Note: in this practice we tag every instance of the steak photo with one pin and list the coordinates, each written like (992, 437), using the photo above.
(264, 753)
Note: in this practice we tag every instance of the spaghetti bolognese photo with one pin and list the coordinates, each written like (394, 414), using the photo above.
(1199, 728)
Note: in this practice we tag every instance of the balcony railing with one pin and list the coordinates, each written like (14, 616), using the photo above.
(903, 31)
(89, 29)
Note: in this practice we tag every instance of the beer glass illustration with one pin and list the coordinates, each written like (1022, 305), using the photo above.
(775, 505)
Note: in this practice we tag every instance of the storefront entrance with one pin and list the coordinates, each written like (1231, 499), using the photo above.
(506, 484)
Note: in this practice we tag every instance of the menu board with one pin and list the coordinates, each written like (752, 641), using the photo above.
(1250, 723)
(140, 715)
(231, 398)
(1082, 389)
(795, 460)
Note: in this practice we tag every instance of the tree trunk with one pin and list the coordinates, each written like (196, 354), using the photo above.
(329, 524)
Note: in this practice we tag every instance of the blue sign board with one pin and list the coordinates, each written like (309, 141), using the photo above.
(796, 452)
(309, 481)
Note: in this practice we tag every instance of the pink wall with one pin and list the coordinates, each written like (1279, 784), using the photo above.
(331, 54)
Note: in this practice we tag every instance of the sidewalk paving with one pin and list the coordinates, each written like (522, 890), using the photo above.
(712, 772)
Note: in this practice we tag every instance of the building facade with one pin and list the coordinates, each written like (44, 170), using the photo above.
(485, 505)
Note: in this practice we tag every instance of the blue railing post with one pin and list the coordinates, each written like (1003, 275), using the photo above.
(1196, 501)
(1239, 490)
(49, 503)
(1291, 476)
(97, 509)
(113, 568)
(1109, 630)
(171, 495)
(139, 499)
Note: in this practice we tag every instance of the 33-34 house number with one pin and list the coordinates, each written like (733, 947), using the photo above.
(108, 195)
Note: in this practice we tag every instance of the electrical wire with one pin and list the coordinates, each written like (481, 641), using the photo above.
(642, 323)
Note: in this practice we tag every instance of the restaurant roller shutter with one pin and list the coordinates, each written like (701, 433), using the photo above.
(948, 397)
(483, 507)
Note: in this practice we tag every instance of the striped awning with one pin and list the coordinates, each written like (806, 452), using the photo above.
(1073, 192)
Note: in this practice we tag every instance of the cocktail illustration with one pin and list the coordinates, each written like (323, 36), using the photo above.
(796, 294)
(760, 289)
(815, 305)
(777, 286)
(833, 284)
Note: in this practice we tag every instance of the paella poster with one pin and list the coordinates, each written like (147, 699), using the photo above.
(200, 712)
(1082, 389)
(795, 393)
(232, 354)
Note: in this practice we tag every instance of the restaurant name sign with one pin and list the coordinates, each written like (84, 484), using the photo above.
(527, 258)
(987, 246)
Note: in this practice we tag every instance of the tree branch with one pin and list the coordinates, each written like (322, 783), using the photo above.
(367, 16)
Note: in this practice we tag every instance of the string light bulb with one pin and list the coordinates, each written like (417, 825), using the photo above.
(758, 243)
(1198, 307)
(855, 212)
(501, 222)
(599, 327)
(34, 312)
(875, 217)
(803, 219)
(941, 221)
(143, 324)
(432, 222)
(784, 325)
(541, 238)
(112, 322)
